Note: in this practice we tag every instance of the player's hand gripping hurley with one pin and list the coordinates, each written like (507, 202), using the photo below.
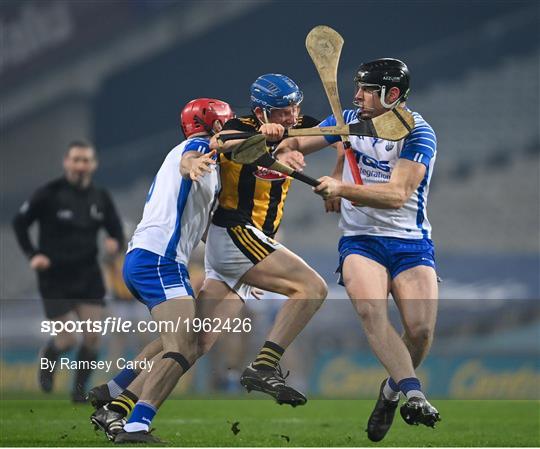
(324, 46)
(393, 125)
(254, 151)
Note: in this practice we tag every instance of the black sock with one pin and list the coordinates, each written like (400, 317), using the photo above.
(269, 356)
(51, 354)
(83, 374)
(50, 351)
(124, 403)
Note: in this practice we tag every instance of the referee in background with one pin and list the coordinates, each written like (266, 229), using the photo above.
(70, 211)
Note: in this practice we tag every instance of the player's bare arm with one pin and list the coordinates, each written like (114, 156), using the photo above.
(273, 132)
(405, 179)
(334, 204)
(195, 165)
(291, 151)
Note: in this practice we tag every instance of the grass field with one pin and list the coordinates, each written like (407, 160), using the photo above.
(264, 423)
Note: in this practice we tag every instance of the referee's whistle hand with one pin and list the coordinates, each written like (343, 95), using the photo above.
(40, 262)
(112, 246)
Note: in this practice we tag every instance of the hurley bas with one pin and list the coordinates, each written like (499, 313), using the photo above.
(106, 365)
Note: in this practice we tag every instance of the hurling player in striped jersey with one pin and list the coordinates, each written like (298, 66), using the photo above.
(175, 217)
(386, 245)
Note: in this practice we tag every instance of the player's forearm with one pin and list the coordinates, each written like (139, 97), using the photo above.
(379, 196)
(187, 162)
(337, 173)
(304, 144)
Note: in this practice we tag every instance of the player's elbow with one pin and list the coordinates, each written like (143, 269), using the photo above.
(398, 199)
(17, 223)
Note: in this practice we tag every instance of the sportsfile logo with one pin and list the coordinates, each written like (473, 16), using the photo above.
(119, 325)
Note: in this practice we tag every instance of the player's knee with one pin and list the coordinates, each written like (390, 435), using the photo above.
(150, 350)
(370, 314)
(319, 289)
(91, 340)
(419, 333)
(65, 341)
(153, 348)
(313, 287)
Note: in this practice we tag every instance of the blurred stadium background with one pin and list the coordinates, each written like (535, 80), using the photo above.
(119, 72)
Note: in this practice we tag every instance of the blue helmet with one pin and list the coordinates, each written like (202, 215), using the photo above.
(274, 91)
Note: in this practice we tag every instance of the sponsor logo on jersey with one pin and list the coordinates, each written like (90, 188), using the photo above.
(389, 146)
(64, 214)
(369, 161)
(268, 175)
(95, 213)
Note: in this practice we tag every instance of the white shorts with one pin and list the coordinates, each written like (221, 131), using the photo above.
(231, 252)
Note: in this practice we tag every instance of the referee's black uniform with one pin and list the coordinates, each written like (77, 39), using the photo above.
(69, 219)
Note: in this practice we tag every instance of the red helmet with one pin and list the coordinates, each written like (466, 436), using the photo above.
(199, 115)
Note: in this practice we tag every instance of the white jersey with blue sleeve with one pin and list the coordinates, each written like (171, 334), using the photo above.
(376, 159)
(177, 210)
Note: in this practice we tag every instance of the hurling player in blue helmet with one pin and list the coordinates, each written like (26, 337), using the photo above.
(275, 92)
(241, 252)
(386, 245)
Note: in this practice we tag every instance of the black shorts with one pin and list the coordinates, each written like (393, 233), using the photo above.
(63, 288)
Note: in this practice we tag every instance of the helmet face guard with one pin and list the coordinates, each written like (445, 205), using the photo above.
(199, 115)
(380, 76)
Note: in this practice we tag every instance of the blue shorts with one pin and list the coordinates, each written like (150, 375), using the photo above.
(395, 254)
(153, 279)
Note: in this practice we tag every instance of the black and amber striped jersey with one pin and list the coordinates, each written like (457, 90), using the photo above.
(251, 194)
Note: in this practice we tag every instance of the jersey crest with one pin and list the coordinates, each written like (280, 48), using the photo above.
(268, 175)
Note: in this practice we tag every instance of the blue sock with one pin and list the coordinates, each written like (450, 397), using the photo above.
(393, 385)
(141, 417)
(410, 387)
(390, 390)
(125, 377)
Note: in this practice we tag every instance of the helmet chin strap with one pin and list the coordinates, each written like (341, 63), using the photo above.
(265, 115)
(201, 122)
(383, 101)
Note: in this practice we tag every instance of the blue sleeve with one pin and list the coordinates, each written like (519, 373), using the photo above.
(348, 115)
(199, 145)
(421, 144)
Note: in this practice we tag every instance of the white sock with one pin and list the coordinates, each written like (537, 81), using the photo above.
(390, 394)
(114, 389)
(415, 394)
(136, 427)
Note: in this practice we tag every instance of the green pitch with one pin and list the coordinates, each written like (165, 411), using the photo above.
(261, 422)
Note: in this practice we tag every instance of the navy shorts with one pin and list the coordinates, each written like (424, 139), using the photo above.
(395, 254)
(63, 288)
(154, 279)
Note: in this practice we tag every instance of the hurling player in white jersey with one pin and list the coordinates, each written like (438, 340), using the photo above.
(175, 217)
(386, 244)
